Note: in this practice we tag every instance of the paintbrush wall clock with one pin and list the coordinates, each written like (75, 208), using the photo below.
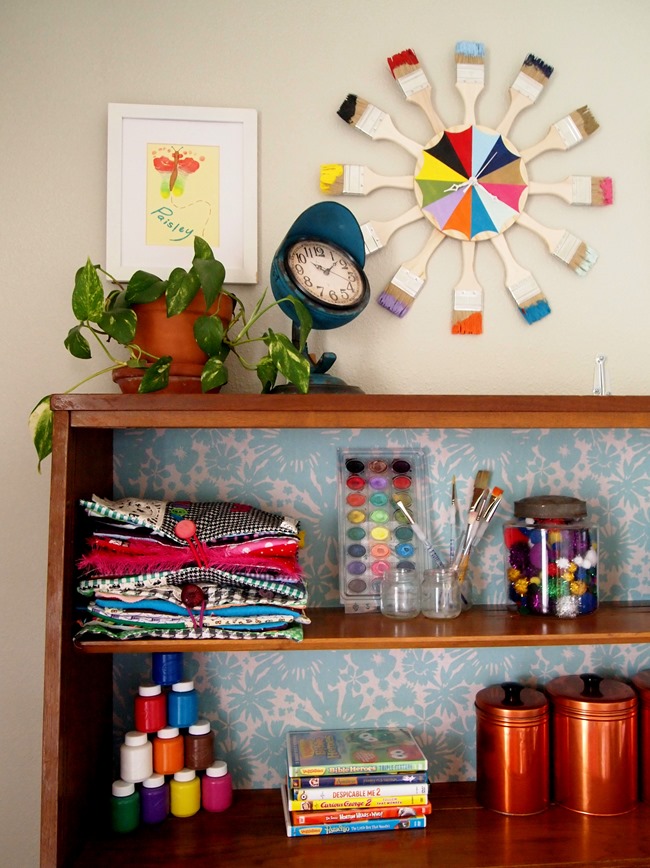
(471, 184)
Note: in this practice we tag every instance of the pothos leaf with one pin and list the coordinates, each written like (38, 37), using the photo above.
(214, 374)
(88, 294)
(156, 376)
(182, 286)
(120, 324)
(76, 344)
(291, 363)
(41, 424)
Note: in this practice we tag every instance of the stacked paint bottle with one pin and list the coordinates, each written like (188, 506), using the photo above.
(168, 761)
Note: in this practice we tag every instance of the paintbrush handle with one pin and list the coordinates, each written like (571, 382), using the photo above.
(378, 124)
(377, 233)
(564, 134)
(423, 99)
(418, 264)
(469, 90)
(575, 190)
(562, 244)
(468, 292)
(372, 181)
(520, 283)
(518, 102)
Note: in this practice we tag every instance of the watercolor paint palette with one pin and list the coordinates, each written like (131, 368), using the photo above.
(374, 533)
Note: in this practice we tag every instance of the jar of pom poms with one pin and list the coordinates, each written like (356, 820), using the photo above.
(551, 558)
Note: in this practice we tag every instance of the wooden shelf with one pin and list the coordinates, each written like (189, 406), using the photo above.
(354, 411)
(77, 721)
(459, 834)
(481, 627)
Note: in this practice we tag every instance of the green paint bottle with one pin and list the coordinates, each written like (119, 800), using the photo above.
(125, 807)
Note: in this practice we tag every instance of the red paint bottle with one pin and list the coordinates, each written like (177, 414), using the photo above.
(150, 708)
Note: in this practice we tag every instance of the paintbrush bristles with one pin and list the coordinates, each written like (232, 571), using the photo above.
(585, 121)
(536, 68)
(602, 191)
(331, 179)
(469, 52)
(352, 109)
(401, 292)
(403, 63)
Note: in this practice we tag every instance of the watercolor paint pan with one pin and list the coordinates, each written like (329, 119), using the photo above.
(374, 534)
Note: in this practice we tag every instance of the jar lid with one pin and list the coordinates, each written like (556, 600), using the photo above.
(642, 680)
(512, 701)
(135, 738)
(156, 780)
(201, 727)
(589, 690)
(122, 788)
(550, 506)
(185, 775)
(183, 686)
(149, 689)
(217, 770)
(168, 732)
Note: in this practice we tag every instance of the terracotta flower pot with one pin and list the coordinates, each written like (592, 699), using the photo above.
(173, 336)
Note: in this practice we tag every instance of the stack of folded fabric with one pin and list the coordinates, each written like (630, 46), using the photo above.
(184, 570)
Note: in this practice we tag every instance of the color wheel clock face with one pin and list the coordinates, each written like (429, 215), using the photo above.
(471, 183)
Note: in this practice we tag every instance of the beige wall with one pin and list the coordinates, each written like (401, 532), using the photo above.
(294, 62)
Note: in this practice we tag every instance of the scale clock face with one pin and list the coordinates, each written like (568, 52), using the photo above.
(326, 274)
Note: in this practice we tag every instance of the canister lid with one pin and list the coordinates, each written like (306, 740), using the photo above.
(511, 701)
(589, 690)
(550, 506)
(642, 680)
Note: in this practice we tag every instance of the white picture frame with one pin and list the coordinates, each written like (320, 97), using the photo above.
(220, 204)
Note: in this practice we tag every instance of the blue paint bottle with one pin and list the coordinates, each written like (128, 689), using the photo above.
(182, 704)
(167, 667)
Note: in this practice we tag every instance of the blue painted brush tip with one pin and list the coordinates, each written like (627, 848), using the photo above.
(471, 49)
(536, 311)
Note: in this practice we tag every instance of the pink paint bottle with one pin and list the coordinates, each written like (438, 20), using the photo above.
(216, 787)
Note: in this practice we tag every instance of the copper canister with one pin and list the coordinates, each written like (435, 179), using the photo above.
(642, 683)
(594, 744)
(512, 749)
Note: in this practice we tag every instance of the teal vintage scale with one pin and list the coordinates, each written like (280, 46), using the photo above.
(320, 261)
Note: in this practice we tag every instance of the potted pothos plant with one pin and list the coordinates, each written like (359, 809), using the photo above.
(108, 316)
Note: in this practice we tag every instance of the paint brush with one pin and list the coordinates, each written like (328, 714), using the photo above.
(410, 277)
(375, 123)
(565, 134)
(420, 534)
(470, 76)
(479, 493)
(491, 506)
(521, 284)
(338, 179)
(376, 233)
(454, 523)
(577, 189)
(525, 89)
(567, 247)
(415, 85)
(467, 317)
(487, 507)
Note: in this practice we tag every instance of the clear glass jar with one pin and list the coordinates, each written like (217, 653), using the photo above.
(551, 558)
(400, 593)
(441, 594)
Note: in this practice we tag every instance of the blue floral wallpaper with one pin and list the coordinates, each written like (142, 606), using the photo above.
(253, 698)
